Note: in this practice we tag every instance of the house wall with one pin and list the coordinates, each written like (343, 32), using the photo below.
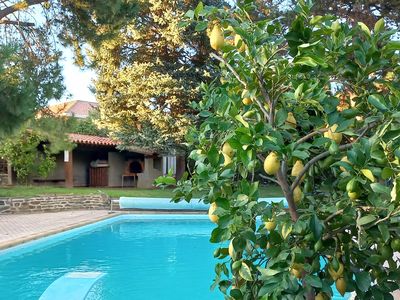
(146, 179)
(81, 161)
(58, 172)
(4, 179)
(116, 161)
(4, 172)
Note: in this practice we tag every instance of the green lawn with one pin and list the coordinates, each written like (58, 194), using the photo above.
(26, 191)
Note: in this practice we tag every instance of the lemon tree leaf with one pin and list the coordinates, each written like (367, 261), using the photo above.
(379, 25)
(286, 230)
(313, 280)
(377, 101)
(380, 188)
(364, 28)
(366, 220)
(245, 272)
(265, 273)
(387, 173)
(363, 281)
(241, 120)
(367, 173)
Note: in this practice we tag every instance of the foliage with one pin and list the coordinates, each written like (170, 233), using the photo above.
(366, 11)
(31, 150)
(30, 37)
(322, 91)
(26, 83)
(87, 125)
(148, 76)
(25, 157)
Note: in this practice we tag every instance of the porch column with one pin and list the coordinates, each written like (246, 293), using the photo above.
(9, 174)
(68, 169)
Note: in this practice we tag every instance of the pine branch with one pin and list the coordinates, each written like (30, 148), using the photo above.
(17, 23)
(18, 6)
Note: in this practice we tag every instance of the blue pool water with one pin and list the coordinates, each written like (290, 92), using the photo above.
(143, 256)
(142, 259)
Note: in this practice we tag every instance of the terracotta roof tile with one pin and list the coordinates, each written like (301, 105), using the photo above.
(92, 140)
(105, 141)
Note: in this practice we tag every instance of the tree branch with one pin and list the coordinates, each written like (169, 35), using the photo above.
(313, 161)
(18, 6)
(221, 59)
(392, 214)
(317, 158)
(17, 23)
(340, 211)
(268, 178)
(330, 234)
(288, 195)
(310, 135)
(270, 115)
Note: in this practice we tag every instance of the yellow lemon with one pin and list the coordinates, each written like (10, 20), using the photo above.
(291, 120)
(331, 134)
(247, 101)
(344, 159)
(227, 149)
(238, 39)
(297, 168)
(297, 195)
(227, 159)
(213, 218)
(271, 164)
(216, 38)
(353, 195)
(270, 225)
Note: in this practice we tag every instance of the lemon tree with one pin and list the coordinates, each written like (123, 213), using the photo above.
(315, 109)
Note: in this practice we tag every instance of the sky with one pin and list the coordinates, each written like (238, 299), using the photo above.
(76, 80)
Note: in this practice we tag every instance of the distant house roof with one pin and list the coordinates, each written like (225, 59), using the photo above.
(76, 108)
(104, 141)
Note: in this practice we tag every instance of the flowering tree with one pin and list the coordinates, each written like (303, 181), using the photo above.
(315, 110)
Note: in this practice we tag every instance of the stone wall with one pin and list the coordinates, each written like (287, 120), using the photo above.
(4, 179)
(53, 203)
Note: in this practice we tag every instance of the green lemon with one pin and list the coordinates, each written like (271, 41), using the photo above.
(395, 244)
(386, 252)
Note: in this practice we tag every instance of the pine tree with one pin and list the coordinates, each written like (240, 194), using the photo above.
(30, 35)
(148, 75)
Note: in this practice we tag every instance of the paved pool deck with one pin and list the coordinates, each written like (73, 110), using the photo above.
(19, 228)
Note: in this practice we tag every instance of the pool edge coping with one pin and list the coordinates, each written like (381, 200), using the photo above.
(111, 214)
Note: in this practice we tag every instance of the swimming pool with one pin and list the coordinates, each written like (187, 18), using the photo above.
(142, 256)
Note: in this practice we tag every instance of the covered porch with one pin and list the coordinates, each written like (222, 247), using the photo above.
(95, 162)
